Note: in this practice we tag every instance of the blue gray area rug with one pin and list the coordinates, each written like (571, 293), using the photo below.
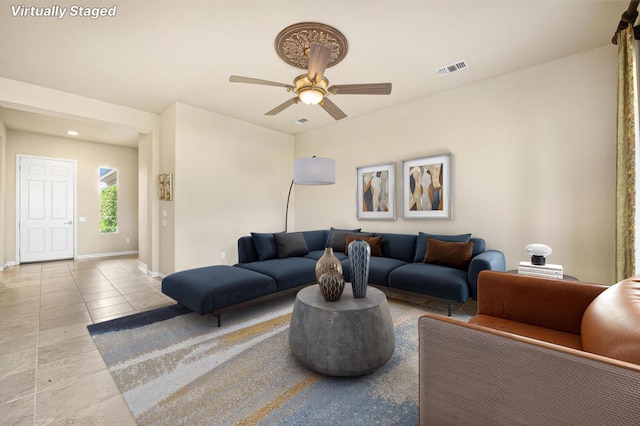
(175, 367)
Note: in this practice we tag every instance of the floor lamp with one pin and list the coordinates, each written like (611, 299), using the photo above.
(310, 171)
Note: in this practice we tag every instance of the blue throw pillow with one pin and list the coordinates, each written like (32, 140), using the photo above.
(421, 242)
(265, 245)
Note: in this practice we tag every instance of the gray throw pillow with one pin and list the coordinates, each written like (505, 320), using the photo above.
(291, 245)
(343, 232)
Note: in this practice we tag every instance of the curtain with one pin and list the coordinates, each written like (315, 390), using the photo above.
(625, 158)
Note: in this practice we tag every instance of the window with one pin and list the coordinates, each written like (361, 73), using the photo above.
(108, 200)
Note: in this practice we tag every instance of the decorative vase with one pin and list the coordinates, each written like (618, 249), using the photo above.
(359, 255)
(331, 285)
(327, 263)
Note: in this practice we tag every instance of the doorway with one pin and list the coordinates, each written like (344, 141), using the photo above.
(46, 202)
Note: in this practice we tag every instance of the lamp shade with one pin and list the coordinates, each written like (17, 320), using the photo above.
(314, 171)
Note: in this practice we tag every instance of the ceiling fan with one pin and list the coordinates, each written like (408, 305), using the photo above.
(313, 88)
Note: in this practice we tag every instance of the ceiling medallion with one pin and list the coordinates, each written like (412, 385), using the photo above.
(293, 42)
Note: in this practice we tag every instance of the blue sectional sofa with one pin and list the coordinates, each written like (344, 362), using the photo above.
(270, 264)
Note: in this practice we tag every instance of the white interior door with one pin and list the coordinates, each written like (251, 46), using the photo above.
(45, 227)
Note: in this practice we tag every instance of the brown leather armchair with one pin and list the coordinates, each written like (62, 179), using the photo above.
(539, 352)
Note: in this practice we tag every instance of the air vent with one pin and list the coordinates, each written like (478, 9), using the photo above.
(301, 120)
(452, 68)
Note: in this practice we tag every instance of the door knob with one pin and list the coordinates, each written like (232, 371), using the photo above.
(69, 223)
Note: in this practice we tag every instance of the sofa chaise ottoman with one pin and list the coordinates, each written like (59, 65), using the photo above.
(213, 288)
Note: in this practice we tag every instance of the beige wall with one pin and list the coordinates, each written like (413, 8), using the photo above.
(89, 158)
(167, 165)
(29, 97)
(533, 161)
(231, 178)
(3, 201)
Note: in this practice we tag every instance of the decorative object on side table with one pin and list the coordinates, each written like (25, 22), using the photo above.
(538, 253)
(327, 262)
(538, 267)
(331, 285)
(359, 256)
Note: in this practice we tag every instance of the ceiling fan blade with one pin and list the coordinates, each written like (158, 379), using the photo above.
(361, 89)
(332, 109)
(319, 55)
(238, 79)
(283, 106)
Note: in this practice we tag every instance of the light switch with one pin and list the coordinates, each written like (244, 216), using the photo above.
(164, 223)
(164, 213)
(82, 219)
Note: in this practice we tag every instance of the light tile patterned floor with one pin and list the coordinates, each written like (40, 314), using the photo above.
(50, 369)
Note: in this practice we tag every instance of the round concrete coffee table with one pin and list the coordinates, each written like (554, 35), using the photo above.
(350, 337)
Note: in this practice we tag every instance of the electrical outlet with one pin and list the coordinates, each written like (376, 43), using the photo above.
(223, 255)
(128, 240)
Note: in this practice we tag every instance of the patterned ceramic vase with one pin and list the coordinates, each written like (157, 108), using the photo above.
(331, 285)
(326, 263)
(359, 255)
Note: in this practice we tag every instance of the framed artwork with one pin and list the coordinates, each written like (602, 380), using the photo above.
(165, 187)
(426, 187)
(161, 180)
(168, 187)
(375, 189)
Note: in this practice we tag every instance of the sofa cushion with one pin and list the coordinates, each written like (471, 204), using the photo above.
(431, 280)
(335, 236)
(317, 254)
(448, 253)
(204, 290)
(315, 239)
(379, 269)
(374, 242)
(611, 323)
(265, 245)
(291, 245)
(421, 242)
(288, 273)
(398, 246)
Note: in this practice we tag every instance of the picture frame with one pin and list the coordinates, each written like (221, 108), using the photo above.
(375, 191)
(422, 198)
(161, 184)
(168, 187)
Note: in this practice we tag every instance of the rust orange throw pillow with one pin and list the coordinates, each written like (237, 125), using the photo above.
(446, 253)
(374, 242)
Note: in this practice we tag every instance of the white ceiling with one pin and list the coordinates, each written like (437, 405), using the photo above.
(156, 52)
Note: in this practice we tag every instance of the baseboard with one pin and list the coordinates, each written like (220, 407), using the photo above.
(99, 255)
(7, 265)
(145, 268)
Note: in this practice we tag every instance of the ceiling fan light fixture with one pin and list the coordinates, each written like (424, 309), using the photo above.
(309, 92)
(310, 96)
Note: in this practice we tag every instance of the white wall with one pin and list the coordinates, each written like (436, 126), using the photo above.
(533, 161)
(231, 178)
(89, 158)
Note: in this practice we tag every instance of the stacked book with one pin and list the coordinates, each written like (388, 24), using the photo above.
(548, 270)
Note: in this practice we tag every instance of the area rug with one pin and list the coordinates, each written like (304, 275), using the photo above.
(175, 367)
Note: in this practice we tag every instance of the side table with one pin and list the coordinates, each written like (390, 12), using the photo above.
(350, 337)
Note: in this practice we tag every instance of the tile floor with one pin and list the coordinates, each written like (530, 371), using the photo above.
(50, 370)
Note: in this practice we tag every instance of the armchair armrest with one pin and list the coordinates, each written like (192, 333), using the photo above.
(472, 375)
(487, 260)
(543, 302)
